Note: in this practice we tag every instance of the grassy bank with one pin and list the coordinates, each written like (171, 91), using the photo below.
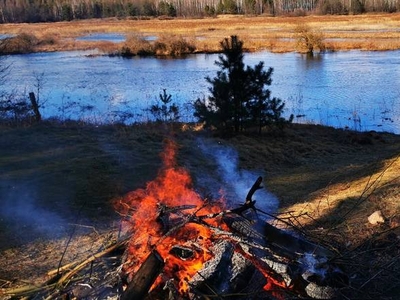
(276, 34)
(328, 181)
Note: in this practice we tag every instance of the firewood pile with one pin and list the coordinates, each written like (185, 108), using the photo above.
(250, 259)
(179, 245)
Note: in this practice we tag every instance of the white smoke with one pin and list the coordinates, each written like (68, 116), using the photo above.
(20, 210)
(236, 183)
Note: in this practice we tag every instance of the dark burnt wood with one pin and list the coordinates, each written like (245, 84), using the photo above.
(144, 277)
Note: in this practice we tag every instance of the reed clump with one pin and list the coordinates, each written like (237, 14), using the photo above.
(22, 43)
(28, 43)
(308, 40)
(136, 45)
(166, 45)
(48, 39)
(173, 46)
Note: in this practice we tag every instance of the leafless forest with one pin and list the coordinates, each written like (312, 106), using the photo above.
(16, 11)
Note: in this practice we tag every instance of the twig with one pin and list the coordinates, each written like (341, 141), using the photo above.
(90, 260)
(65, 248)
(85, 226)
(370, 184)
(380, 271)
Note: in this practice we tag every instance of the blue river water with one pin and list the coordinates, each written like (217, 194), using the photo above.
(354, 89)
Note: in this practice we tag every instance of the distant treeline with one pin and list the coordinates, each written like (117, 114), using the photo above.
(16, 11)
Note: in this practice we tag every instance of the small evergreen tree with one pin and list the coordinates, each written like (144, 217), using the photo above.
(262, 109)
(165, 111)
(224, 108)
(239, 96)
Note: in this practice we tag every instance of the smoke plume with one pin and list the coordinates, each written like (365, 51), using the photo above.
(21, 211)
(236, 182)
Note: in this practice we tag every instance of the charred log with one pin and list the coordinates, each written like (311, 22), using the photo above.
(207, 280)
(242, 226)
(144, 278)
(256, 186)
(291, 260)
(228, 273)
(291, 243)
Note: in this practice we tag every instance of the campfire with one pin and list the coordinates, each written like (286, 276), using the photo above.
(177, 244)
(185, 246)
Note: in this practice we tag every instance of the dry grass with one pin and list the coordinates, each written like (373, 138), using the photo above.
(165, 45)
(365, 32)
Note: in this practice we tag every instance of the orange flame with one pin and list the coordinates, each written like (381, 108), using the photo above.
(172, 188)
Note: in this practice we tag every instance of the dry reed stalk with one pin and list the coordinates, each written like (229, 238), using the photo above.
(64, 279)
(62, 269)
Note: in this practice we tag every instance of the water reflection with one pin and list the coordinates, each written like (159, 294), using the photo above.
(6, 36)
(109, 37)
(358, 90)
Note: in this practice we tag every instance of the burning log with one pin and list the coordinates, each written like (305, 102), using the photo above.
(144, 277)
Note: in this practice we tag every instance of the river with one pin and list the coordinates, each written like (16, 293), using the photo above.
(354, 89)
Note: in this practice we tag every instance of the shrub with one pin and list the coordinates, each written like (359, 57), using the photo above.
(167, 45)
(166, 9)
(48, 39)
(22, 43)
(307, 40)
(136, 45)
(171, 45)
(15, 109)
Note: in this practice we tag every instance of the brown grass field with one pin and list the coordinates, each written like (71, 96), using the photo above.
(374, 32)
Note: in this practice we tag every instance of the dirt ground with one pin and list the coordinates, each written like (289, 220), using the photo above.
(58, 182)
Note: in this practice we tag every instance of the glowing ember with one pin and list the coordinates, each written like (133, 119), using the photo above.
(172, 188)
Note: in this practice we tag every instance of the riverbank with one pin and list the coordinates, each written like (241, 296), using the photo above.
(372, 32)
(62, 177)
